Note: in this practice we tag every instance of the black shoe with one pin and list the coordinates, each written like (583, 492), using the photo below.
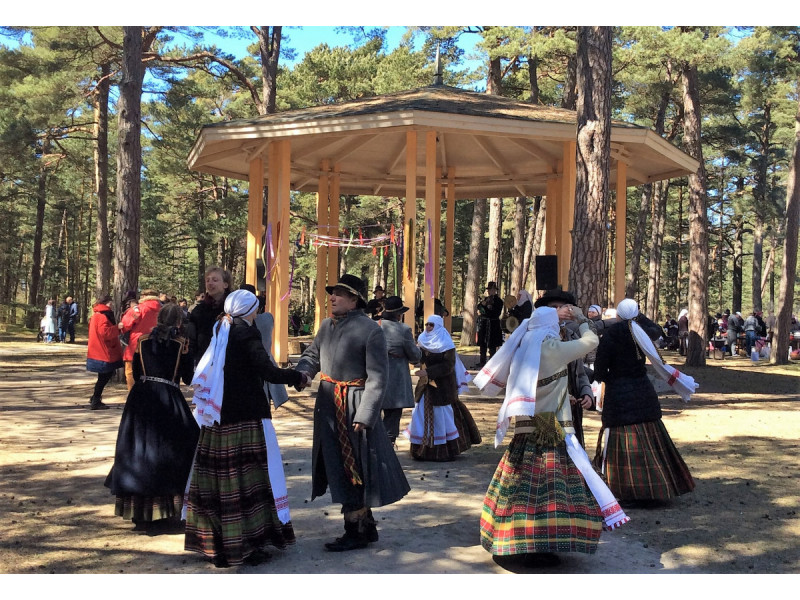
(258, 557)
(220, 562)
(371, 533)
(347, 542)
(97, 404)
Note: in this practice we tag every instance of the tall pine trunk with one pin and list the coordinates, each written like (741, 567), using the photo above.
(632, 283)
(474, 274)
(780, 349)
(129, 165)
(698, 226)
(588, 273)
(660, 194)
(102, 241)
(32, 318)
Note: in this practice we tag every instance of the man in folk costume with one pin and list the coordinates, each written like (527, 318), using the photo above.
(490, 330)
(402, 350)
(545, 497)
(579, 386)
(351, 451)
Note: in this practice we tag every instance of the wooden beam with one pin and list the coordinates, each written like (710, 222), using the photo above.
(320, 296)
(409, 277)
(551, 215)
(437, 231)
(621, 225)
(430, 214)
(531, 148)
(271, 253)
(284, 265)
(497, 161)
(255, 229)
(333, 226)
(449, 245)
(350, 147)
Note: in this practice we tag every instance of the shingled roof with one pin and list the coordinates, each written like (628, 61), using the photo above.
(498, 146)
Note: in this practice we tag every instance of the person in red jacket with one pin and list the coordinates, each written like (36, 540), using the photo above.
(104, 354)
(137, 321)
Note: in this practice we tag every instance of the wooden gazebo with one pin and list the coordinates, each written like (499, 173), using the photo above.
(438, 143)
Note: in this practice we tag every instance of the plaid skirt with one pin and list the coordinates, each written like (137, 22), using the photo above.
(231, 510)
(148, 508)
(642, 463)
(538, 501)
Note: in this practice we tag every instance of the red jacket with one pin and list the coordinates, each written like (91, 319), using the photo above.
(104, 342)
(139, 320)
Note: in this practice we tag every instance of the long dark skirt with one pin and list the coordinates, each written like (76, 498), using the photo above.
(155, 445)
(231, 511)
(538, 501)
(642, 463)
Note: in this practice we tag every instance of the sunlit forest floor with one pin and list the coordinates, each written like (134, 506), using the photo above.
(738, 435)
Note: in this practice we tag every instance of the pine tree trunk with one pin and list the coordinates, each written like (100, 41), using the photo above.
(518, 245)
(632, 285)
(698, 226)
(780, 345)
(660, 194)
(129, 166)
(531, 241)
(588, 273)
(495, 252)
(32, 318)
(737, 272)
(102, 241)
(474, 274)
(269, 46)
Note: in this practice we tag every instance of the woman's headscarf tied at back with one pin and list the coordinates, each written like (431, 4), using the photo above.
(683, 384)
(524, 296)
(209, 379)
(438, 339)
(515, 367)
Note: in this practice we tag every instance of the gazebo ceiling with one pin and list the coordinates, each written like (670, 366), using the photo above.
(496, 146)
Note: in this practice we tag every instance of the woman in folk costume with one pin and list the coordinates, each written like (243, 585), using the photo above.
(441, 425)
(638, 458)
(544, 496)
(236, 501)
(157, 433)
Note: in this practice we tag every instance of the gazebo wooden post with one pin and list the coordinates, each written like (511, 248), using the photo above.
(429, 287)
(321, 297)
(284, 266)
(409, 277)
(449, 246)
(567, 212)
(272, 224)
(620, 222)
(255, 228)
(333, 227)
(437, 232)
(550, 215)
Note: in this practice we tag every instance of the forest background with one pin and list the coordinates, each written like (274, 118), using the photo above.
(69, 223)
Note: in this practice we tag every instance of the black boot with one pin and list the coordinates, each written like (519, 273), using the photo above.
(370, 527)
(352, 539)
(95, 403)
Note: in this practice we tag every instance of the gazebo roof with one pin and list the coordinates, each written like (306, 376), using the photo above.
(497, 146)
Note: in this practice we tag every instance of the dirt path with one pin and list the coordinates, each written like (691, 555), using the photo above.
(739, 436)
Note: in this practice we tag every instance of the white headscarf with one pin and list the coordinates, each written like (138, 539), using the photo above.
(683, 312)
(524, 297)
(683, 384)
(437, 340)
(209, 379)
(596, 308)
(515, 367)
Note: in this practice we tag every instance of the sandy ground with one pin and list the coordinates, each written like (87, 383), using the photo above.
(739, 437)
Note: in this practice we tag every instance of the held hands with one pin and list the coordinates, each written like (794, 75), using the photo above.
(306, 381)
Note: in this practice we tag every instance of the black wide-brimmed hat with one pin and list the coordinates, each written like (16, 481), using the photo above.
(378, 289)
(492, 285)
(553, 296)
(394, 304)
(354, 285)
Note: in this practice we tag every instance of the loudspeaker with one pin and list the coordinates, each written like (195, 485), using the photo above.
(546, 272)
(261, 273)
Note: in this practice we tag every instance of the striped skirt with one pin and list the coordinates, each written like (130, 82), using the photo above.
(145, 509)
(640, 462)
(231, 509)
(538, 501)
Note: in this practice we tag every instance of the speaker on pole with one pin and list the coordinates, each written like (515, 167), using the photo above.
(546, 272)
